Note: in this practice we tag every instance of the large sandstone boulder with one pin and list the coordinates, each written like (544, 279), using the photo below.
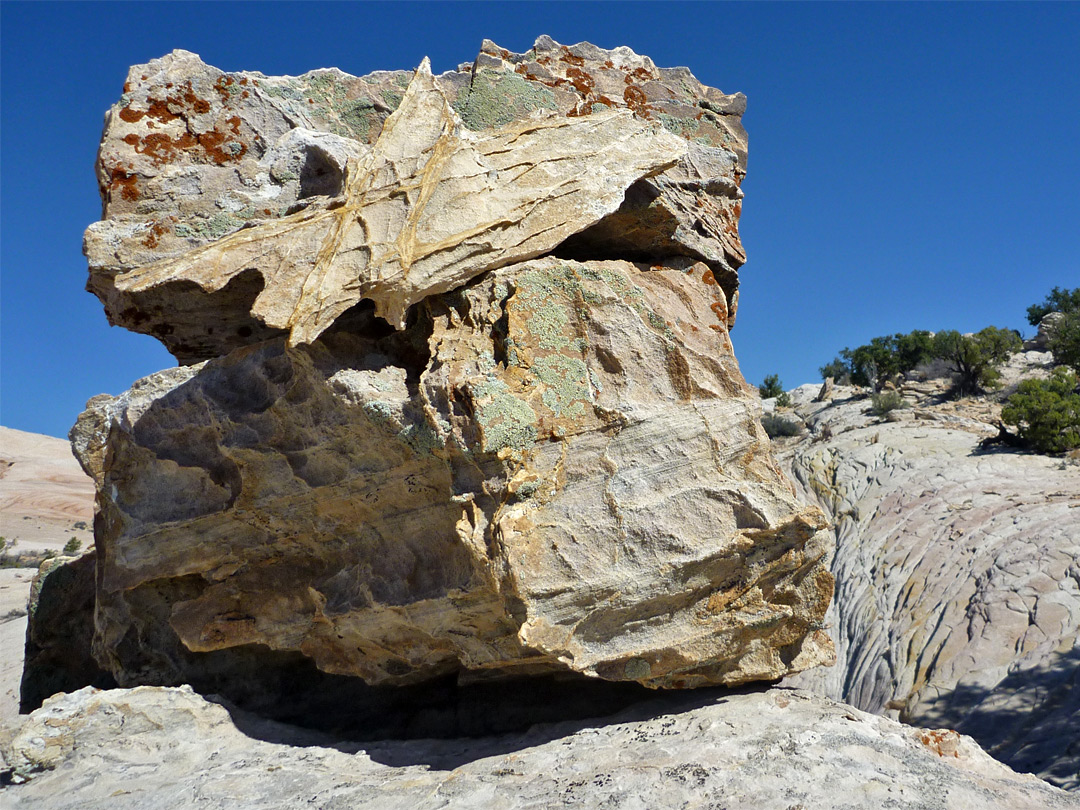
(957, 598)
(438, 422)
(556, 468)
(237, 205)
(151, 748)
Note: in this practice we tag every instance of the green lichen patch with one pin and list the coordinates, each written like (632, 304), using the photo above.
(566, 381)
(213, 227)
(357, 116)
(391, 98)
(495, 98)
(506, 421)
(422, 438)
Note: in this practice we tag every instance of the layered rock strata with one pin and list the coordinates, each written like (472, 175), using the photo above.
(414, 447)
(392, 186)
(774, 750)
(958, 586)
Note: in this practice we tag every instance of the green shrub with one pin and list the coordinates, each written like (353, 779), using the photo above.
(771, 387)
(1064, 340)
(884, 357)
(1058, 300)
(72, 546)
(777, 425)
(976, 358)
(1046, 412)
(783, 400)
(882, 403)
(838, 370)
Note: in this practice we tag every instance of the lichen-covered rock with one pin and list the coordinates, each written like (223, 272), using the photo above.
(556, 468)
(169, 749)
(206, 175)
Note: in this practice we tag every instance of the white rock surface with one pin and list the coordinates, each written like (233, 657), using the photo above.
(958, 581)
(151, 748)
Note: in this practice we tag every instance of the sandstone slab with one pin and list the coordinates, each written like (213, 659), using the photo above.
(150, 748)
(958, 591)
(205, 175)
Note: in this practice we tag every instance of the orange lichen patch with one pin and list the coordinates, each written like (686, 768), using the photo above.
(719, 309)
(609, 64)
(234, 124)
(581, 80)
(126, 183)
(158, 146)
(570, 58)
(211, 142)
(636, 100)
(708, 277)
(162, 148)
(716, 328)
(642, 74)
(244, 80)
(943, 742)
(162, 110)
(198, 105)
(521, 69)
(244, 94)
(222, 86)
(156, 231)
(127, 87)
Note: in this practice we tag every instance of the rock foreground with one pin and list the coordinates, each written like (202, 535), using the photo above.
(958, 581)
(461, 401)
(151, 748)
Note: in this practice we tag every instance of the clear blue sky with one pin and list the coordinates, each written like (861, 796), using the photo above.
(911, 165)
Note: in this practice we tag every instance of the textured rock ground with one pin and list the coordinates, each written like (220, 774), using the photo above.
(958, 586)
(153, 748)
(45, 498)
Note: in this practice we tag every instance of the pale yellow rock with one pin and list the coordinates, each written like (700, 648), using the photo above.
(431, 206)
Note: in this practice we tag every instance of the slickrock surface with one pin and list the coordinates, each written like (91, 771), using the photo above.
(958, 581)
(44, 497)
(14, 590)
(151, 748)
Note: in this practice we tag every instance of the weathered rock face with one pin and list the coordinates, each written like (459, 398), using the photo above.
(556, 468)
(472, 455)
(57, 655)
(773, 750)
(239, 205)
(958, 587)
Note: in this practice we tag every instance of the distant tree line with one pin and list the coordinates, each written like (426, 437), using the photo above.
(1045, 413)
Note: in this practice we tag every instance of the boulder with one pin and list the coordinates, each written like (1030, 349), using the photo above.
(557, 468)
(239, 206)
(60, 631)
(151, 748)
